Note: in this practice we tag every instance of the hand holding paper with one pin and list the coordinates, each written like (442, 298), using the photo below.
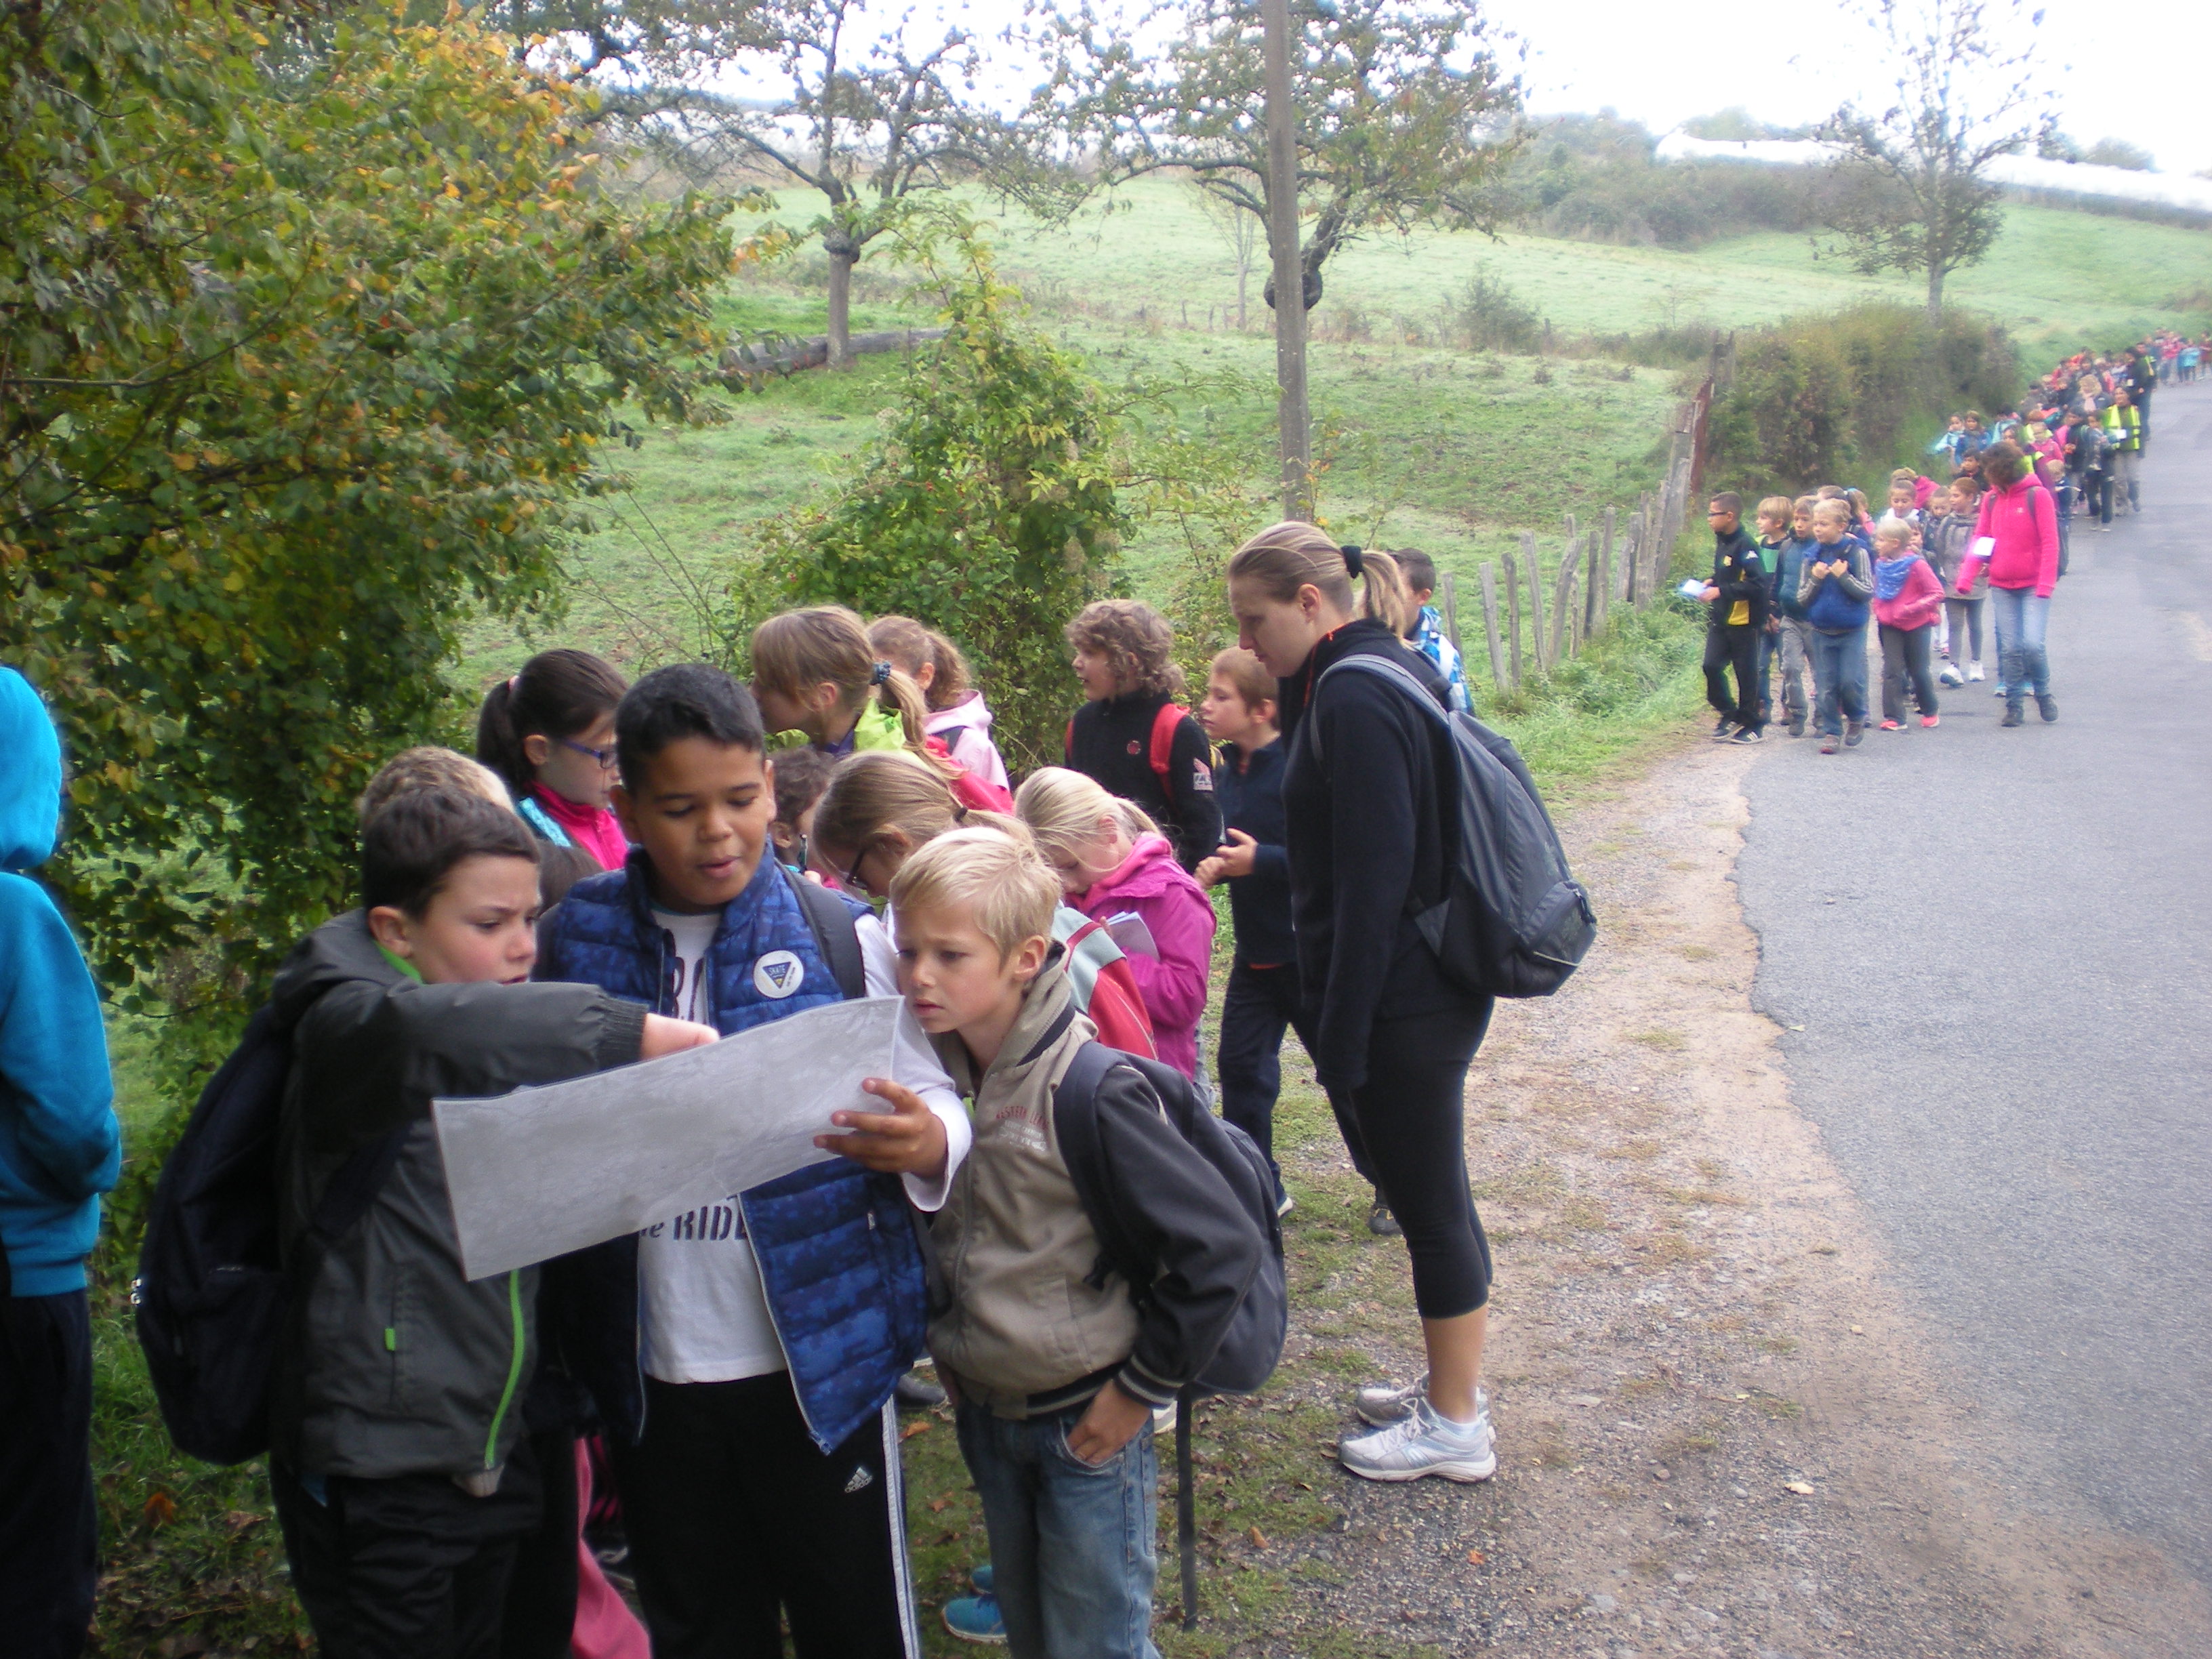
(908, 1139)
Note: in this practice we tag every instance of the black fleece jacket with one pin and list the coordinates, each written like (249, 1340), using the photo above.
(1740, 575)
(1363, 825)
(1111, 741)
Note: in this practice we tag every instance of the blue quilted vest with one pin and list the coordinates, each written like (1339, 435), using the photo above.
(838, 1256)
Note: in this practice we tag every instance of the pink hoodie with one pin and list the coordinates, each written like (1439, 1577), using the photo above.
(2024, 525)
(1152, 884)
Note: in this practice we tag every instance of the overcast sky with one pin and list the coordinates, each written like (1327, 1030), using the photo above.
(2134, 69)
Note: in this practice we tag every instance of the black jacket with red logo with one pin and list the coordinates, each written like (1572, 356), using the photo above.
(1111, 741)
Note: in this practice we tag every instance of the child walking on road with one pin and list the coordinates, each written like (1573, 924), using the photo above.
(1736, 591)
(1948, 538)
(1907, 599)
(1835, 592)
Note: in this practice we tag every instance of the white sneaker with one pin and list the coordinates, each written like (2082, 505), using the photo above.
(1423, 1443)
(1974, 670)
(1951, 676)
(1383, 1404)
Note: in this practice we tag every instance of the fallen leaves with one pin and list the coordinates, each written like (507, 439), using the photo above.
(160, 1507)
(1475, 1558)
(913, 1429)
(1258, 1539)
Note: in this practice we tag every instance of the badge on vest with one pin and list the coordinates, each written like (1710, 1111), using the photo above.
(778, 974)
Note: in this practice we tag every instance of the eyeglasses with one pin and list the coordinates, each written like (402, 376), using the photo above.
(850, 876)
(604, 756)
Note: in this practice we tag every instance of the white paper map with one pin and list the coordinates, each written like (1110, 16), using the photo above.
(543, 1171)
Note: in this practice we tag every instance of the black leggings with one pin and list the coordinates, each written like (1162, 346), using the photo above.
(1410, 1118)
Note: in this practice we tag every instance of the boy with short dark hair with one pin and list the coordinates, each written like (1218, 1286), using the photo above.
(1427, 634)
(744, 1354)
(60, 1148)
(1735, 594)
(404, 1478)
(1055, 1367)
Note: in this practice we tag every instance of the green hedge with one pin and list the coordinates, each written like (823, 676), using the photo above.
(1826, 399)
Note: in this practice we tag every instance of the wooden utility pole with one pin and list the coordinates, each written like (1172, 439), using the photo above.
(1296, 440)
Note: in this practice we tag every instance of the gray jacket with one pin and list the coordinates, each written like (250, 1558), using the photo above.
(401, 1365)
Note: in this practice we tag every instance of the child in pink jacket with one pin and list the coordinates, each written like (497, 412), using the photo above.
(1112, 859)
(2017, 536)
(1907, 600)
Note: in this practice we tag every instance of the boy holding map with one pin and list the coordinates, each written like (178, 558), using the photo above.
(744, 1351)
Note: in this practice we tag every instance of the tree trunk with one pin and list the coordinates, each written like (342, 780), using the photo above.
(1934, 295)
(843, 256)
(1294, 429)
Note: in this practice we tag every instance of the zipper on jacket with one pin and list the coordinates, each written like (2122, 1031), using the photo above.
(514, 1368)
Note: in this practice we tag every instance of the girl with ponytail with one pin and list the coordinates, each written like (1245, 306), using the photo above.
(1366, 792)
(549, 733)
(816, 674)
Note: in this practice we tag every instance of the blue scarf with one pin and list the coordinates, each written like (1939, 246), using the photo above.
(1889, 575)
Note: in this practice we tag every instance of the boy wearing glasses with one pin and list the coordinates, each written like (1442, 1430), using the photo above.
(744, 1354)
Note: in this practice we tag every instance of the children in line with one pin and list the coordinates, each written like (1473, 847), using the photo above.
(1056, 1368)
(1771, 536)
(1948, 538)
(1836, 592)
(60, 1149)
(745, 1357)
(815, 675)
(1132, 737)
(959, 717)
(405, 1478)
(1112, 859)
(549, 733)
(1907, 599)
(1793, 635)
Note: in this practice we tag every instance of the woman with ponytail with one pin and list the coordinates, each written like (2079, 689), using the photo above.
(549, 733)
(816, 674)
(1367, 792)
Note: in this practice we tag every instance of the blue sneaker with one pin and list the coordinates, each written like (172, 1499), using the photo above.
(983, 1578)
(975, 1619)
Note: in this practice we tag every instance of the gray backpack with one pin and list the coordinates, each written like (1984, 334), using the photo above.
(1514, 921)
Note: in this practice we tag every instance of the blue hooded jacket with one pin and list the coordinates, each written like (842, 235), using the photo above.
(60, 1146)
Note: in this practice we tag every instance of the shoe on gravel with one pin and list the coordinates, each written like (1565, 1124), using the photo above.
(975, 1619)
(1950, 675)
(1797, 727)
(1892, 725)
(1381, 1223)
(1284, 1204)
(1749, 734)
(1927, 720)
(1853, 731)
(1382, 1405)
(1829, 743)
(1974, 670)
(1420, 1444)
(1722, 729)
(2047, 706)
(2013, 716)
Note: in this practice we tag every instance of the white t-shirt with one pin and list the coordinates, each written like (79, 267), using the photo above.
(702, 1315)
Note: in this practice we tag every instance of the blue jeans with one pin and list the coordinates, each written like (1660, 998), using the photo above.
(2022, 663)
(1838, 679)
(1072, 1545)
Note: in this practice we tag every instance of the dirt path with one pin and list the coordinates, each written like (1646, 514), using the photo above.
(1720, 1431)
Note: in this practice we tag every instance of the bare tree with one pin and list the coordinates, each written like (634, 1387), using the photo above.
(1914, 194)
(870, 119)
(1244, 235)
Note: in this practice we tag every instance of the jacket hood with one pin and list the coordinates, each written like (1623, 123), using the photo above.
(1150, 870)
(30, 775)
(342, 949)
(971, 711)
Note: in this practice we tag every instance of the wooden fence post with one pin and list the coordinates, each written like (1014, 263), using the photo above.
(1451, 614)
(1490, 627)
(1513, 612)
(1563, 604)
(1592, 586)
(1536, 599)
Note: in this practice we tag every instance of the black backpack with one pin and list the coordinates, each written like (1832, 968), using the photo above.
(1514, 921)
(1252, 1346)
(213, 1298)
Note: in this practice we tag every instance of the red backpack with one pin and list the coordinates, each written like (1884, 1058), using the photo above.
(976, 794)
(1107, 992)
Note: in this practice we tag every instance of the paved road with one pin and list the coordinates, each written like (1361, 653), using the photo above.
(1998, 945)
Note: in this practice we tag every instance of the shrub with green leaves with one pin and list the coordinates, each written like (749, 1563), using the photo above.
(987, 507)
(309, 348)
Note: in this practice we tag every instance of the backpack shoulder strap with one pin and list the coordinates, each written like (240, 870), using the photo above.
(1165, 724)
(834, 933)
(1380, 668)
(1075, 1124)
